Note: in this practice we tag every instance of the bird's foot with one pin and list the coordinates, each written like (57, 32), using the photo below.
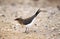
(27, 30)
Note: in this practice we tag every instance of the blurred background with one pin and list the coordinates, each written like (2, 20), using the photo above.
(45, 26)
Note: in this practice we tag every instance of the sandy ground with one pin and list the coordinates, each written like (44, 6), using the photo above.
(45, 26)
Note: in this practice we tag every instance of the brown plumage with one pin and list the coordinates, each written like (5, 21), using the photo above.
(27, 20)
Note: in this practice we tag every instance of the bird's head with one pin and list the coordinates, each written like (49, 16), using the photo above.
(18, 19)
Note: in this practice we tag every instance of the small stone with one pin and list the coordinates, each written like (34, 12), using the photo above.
(3, 15)
(35, 24)
(58, 7)
(15, 28)
(35, 0)
(34, 30)
(3, 38)
(13, 4)
(0, 36)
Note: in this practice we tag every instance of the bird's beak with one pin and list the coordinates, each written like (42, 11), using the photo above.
(16, 19)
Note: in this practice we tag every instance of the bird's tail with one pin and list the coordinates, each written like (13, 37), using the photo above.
(38, 11)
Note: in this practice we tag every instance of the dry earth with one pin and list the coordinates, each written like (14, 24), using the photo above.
(45, 26)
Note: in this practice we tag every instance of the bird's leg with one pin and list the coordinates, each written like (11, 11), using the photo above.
(27, 30)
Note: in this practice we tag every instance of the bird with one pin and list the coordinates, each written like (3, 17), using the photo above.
(28, 21)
